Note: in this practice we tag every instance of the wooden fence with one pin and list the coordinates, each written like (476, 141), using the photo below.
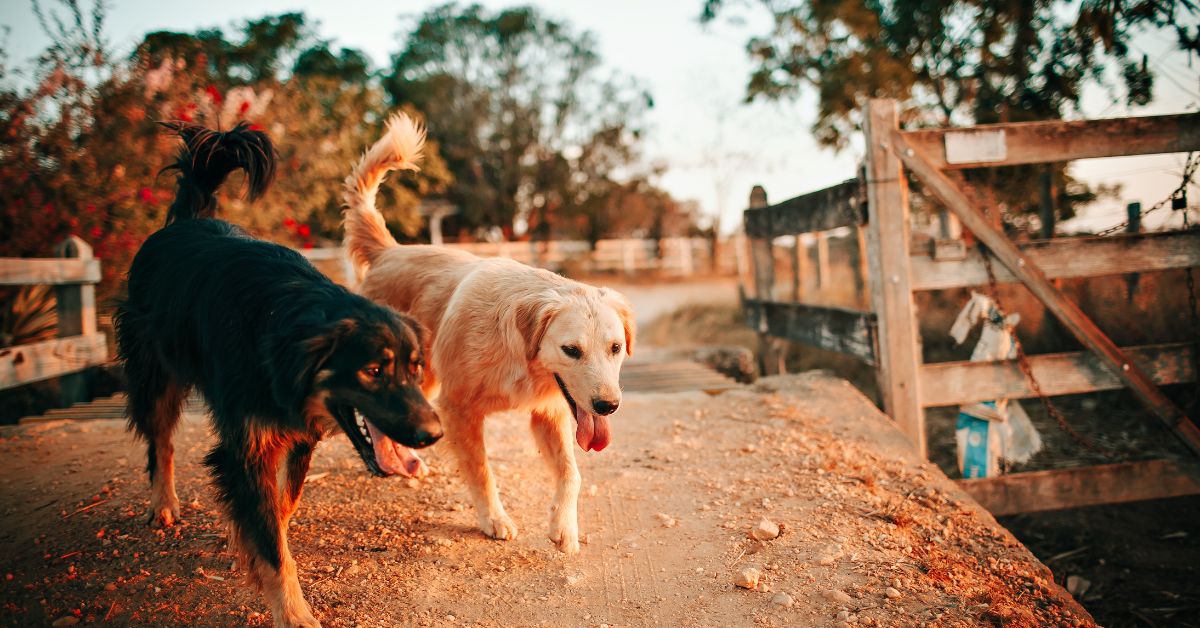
(888, 336)
(79, 345)
(840, 329)
(669, 257)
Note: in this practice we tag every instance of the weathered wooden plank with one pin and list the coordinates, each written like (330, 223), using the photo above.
(1062, 258)
(1084, 486)
(837, 206)
(832, 328)
(823, 268)
(1053, 141)
(1072, 318)
(889, 257)
(76, 308)
(34, 362)
(860, 267)
(799, 264)
(952, 383)
(19, 271)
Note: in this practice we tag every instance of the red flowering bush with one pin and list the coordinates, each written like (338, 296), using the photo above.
(81, 152)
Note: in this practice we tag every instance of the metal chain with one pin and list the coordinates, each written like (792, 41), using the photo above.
(1023, 363)
(1189, 169)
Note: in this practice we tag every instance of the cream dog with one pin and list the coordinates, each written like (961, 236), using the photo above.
(505, 336)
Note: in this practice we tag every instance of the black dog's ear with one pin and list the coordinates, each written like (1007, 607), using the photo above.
(294, 368)
(422, 336)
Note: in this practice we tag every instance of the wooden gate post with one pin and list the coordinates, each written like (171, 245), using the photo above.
(888, 238)
(762, 260)
(76, 316)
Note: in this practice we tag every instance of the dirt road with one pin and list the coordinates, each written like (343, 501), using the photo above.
(869, 536)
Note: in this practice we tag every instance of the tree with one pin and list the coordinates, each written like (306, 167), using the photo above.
(531, 125)
(81, 150)
(322, 109)
(956, 62)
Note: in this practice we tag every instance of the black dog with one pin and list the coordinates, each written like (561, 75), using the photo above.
(282, 355)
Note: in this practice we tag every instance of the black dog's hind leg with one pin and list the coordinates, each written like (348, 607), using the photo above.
(246, 473)
(154, 405)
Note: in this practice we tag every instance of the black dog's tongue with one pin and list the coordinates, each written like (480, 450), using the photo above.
(392, 457)
(591, 430)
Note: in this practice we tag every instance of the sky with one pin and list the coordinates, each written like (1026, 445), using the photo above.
(714, 146)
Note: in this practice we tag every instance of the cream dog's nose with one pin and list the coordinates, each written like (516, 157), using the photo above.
(604, 406)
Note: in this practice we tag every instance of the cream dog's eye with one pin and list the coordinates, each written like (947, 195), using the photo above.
(572, 351)
(616, 348)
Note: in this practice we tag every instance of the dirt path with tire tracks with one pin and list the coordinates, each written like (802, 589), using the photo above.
(869, 535)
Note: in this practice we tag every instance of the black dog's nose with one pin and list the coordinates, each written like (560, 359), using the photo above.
(425, 439)
(604, 406)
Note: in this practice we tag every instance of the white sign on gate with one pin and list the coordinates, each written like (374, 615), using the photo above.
(973, 147)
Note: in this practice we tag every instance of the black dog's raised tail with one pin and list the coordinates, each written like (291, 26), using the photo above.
(207, 158)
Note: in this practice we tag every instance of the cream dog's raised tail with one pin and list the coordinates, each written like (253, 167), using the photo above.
(366, 231)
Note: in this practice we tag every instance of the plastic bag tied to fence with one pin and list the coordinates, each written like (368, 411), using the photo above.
(990, 432)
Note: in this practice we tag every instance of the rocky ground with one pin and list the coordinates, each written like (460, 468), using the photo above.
(865, 533)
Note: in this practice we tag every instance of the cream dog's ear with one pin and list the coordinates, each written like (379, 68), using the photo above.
(620, 304)
(533, 317)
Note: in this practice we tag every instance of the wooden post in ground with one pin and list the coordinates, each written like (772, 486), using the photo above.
(1134, 225)
(823, 270)
(1046, 210)
(76, 317)
(738, 243)
(763, 261)
(861, 268)
(686, 260)
(888, 242)
(797, 275)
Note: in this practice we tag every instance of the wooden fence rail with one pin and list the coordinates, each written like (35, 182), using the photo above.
(824, 210)
(79, 344)
(830, 328)
(671, 257)
(1065, 258)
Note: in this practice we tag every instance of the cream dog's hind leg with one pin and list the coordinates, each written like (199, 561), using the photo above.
(552, 430)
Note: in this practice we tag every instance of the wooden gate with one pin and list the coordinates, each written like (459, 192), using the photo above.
(895, 272)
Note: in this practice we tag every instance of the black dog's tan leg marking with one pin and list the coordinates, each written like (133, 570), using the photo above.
(298, 461)
(258, 511)
(154, 407)
(552, 430)
(464, 432)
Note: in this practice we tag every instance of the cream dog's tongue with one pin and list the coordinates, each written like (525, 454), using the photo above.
(392, 457)
(591, 430)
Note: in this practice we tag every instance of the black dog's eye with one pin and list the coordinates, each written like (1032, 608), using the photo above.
(373, 371)
(616, 348)
(572, 351)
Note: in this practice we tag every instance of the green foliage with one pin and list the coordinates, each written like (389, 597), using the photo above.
(533, 128)
(953, 61)
(957, 62)
(531, 125)
(81, 150)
